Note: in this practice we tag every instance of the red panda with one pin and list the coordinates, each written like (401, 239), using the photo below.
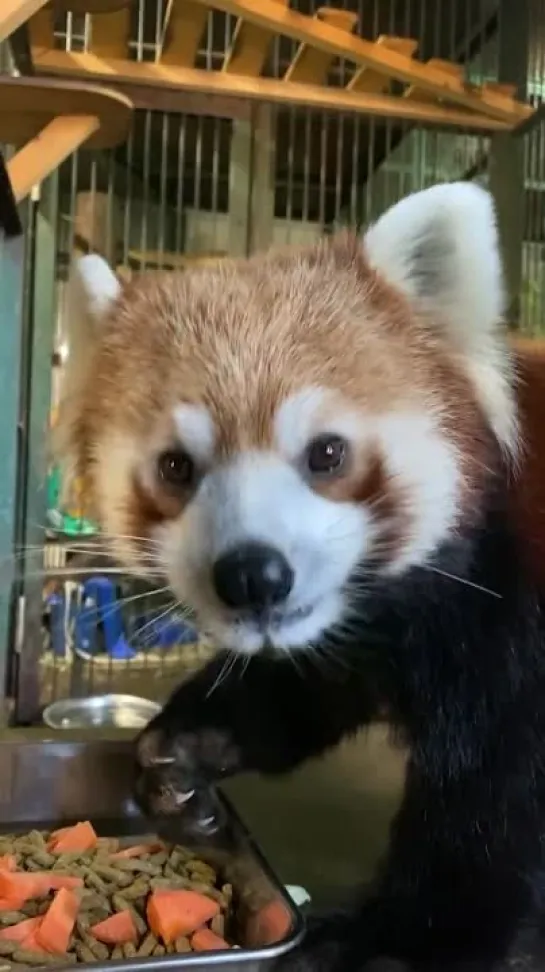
(329, 452)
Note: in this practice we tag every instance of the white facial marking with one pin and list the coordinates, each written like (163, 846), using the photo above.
(427, 468)
(196, 431)
(308, 413)
(259, 497)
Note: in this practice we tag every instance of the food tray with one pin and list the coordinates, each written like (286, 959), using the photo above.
(59, 779)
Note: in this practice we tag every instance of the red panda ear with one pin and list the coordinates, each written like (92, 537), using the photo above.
(440, 246)
(99, 284)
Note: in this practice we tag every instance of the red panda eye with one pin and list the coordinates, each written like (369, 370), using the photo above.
(326, 454)
(176, 468)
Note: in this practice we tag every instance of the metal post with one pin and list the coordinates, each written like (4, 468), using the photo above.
(12, 264)
(506, 173)
(35, 413)
(251, 183)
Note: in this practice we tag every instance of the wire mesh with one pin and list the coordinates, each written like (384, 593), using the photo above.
(183, 189)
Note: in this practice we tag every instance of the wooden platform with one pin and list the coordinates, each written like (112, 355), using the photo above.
(47, 120)
(432, 93)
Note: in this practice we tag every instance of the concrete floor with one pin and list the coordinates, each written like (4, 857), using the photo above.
(325, 826)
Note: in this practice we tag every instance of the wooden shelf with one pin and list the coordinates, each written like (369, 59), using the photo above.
(432, 93)
(47, 120)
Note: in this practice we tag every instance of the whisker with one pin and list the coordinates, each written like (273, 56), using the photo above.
(462, 580)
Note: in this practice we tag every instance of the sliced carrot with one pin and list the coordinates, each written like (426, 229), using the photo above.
(174, 913)
(11, 904)
(138, 850)
(205, 940)
(8, 862)
(59, 832)
(270, 924)
(31, 943)
(20, 886)
(18, 932)
(118, 929)
(53, 933)
(58, 881)
(69, 840)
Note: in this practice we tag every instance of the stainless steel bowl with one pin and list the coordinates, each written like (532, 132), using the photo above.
(100, 711)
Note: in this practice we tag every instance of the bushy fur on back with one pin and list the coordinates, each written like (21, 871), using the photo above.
(349, 411)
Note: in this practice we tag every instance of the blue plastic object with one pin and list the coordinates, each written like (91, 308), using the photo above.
(56, 604)
(102, 591)
(166, 633)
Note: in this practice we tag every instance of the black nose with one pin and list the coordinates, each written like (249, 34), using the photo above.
(252, 576)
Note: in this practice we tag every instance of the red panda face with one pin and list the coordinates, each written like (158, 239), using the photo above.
(271, 432)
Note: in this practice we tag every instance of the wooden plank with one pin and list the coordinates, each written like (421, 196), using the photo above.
(185, 24)
(110, 33)
(40, 29)
(263, 89)
(48, 150)
(249, 47)
(27, 105)
(148, 97)
(92, 6)
(310, 65)
(179, 261)
(13, 13)
(416, 93)
(365, 79)
(310, 30)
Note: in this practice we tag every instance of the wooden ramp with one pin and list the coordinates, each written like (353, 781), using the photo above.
(47, 120)
(432, 93)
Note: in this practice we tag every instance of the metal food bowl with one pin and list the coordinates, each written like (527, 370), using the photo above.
(100, 711)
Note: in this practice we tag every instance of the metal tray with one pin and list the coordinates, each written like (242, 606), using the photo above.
(52, 779)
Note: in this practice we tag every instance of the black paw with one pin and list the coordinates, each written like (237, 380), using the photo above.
(177, 764)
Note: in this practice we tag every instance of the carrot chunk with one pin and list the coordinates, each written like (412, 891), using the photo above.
(174, 913)
(205, 940)
(31, 943)
(69, 840)
(118, 929)
(8, 862)
(269, 925)
(20, 931)
(53, 934)
(20, 886)
(137, 850)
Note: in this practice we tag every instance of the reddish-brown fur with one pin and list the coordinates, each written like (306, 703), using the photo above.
(239, 338)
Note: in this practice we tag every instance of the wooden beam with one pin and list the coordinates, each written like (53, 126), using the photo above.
(365, 79)
(249, 47)
(40, 29)
(261, 89)
(185, 23)
(416, 93)
(339, 43)
(45, 153)
(179, 101)
(92, 6)
(310, 65)
(110, 33)
(179, 261)
(27, 105)
(13, 13)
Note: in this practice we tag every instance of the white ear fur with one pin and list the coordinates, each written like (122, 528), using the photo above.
(441, 247)
(100, 284)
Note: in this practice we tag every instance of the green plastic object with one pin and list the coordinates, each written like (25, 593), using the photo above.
(72, 524)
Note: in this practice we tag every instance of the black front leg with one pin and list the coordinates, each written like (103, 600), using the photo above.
(454, 888)
(269, 716)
